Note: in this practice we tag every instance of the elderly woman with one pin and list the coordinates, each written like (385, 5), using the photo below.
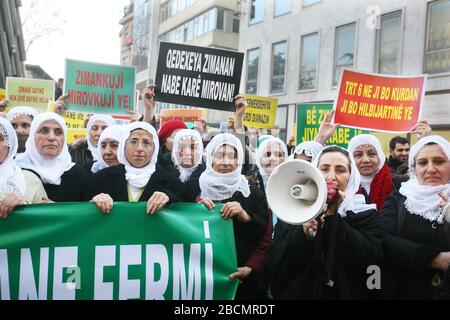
(376, 179)
(187, 155)
(86, 152)
(331, 264)
(222, 182)
(270, 154)
(138, 177)
(21, 119)
(308, 151)
(416, 235)
(17, 187)
(47, 156)
(108, 144)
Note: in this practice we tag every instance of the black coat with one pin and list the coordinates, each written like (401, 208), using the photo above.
(80, 153)
(248, 235)
(341, 252)
(410, 244)
(76, 186)
(112, 181)
(191, 187)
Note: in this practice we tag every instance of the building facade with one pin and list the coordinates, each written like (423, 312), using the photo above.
(295, 50)
(12, 48)
(126, 35)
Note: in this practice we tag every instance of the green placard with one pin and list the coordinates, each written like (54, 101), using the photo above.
(72, 251)
(33, 93)
(309, 118)
(99, 88)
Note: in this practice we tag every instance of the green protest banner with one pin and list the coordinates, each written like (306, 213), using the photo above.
(72, 251)
(309, 118)
(33, 93)
(99, 88)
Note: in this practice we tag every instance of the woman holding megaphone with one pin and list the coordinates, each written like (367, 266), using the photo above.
(328, 258)
(223, 182)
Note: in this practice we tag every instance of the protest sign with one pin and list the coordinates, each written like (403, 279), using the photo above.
(185, 115)
(32, 93)
(2, 94)
(379, 102)
(261, 112)
(198, 76)
(99, 88)
(309, 119)
(75, 122)
(71, 251)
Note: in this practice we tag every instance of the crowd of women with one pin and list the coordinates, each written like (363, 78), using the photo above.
(401, 228)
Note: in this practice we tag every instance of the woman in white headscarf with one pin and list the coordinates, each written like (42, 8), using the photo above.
(138, 177)
(376, 179)
(308, 151)
(86, 152)
(187, 158)
(48, 157)
(332, 263)
(108, 144)
(415, 221)
(223, 182)
(270, 153)
(21, 119)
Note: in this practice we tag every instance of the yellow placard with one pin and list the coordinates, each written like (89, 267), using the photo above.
(2, 94)
(74, 121)
(261, 112)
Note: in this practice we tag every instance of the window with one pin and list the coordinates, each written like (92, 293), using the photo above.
(310, 2)
(437, 57)
(282, 7)
(252, 71)
(281, 121)
(389, 43)
(308, 65)
(236, 20)
(344, 50)
(256, 10)
(279, 56)
(220, 19)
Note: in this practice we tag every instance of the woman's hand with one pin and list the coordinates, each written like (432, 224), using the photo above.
(310, 229)
(326, 129)
(60, 105)
(234, 209)
(441, 262)
(242, 273)
(209, 204)
(103, 202)
(421, 129)
(8, 203)
(156, 202)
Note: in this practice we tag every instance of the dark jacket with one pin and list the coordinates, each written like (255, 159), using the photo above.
(112, 181)
(76, 186)
(80, 153)
(331, 266)
(248, 236)
(394, 164)
(410, 244)
(191, 187)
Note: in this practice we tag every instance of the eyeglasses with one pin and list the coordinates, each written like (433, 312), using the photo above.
(134, 143)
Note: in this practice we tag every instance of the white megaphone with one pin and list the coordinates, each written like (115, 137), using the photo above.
(297, 192)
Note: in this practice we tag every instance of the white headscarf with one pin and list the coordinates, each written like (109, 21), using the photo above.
(50, 170)
(424, 200)
(11, 176)
(20, 111)
(352, 202)
(105, 118)
(180, 137)
(217, 186)
(309, 148)
(268, 140)
(113, 132)
(367, 139)
(138, 177)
